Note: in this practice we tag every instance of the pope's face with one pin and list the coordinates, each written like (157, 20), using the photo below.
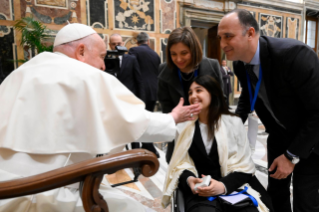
(96, 54)
(232, 40)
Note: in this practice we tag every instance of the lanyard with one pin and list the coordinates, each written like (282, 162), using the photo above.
(253, 100)
(180, 76)
(242, 192)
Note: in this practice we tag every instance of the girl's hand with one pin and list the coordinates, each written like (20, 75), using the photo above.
(215, 188)
(192, 181)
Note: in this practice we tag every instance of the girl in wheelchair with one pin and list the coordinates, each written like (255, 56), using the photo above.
(215, 144)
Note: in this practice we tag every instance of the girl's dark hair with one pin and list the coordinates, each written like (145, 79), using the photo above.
(217, 105)
(188, 37)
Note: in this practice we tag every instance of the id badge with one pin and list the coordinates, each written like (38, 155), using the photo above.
(252, 130)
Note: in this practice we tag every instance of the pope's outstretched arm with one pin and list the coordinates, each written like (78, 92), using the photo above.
(162, 127)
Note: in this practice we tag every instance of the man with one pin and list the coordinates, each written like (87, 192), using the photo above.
(286, 72)
(129, 74)
(226, 74)
(149, 62)
(61, 108)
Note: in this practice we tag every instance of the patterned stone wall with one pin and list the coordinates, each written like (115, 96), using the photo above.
(129, 17)
(126, 17)
(276, 22)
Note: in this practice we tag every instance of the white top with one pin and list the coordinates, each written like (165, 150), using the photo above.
(204, 132)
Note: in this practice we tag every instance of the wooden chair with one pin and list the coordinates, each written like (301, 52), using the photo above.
(89, 173)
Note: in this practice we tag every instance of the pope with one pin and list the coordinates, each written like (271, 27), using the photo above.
(61, 108)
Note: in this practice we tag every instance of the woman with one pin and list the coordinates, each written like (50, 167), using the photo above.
(216, 145)
(185, 61)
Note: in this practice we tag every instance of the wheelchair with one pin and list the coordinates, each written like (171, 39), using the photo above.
(177, 201)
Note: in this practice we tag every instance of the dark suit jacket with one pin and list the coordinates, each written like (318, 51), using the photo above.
(148, 61)
(130, 75)
(169, 86)
(226, 78)
(291, 78)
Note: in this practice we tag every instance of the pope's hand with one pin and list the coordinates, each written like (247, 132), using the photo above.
(185, 113)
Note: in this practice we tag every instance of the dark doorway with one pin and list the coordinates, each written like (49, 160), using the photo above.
(207, 35)
(214, 50)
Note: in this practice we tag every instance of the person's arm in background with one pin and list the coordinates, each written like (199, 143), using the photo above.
(138, 79)
(229, 72)
(132, 51)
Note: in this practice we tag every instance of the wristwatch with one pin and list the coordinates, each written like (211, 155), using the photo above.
(294, 159)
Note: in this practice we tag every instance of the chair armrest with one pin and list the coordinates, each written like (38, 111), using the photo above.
(90, 171)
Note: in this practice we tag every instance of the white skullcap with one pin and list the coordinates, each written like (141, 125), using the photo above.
(72, 32)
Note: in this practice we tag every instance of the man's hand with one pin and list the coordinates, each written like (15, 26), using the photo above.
(284, 167)
(215, 188)
(185, 113)
(191, 183)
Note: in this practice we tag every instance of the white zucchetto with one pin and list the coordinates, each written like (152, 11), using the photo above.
(72, 32)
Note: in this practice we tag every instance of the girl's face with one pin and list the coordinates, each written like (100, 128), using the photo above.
(181, 56)
(199, 94)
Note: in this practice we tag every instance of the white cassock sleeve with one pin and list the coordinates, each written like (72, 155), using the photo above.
(161, 128)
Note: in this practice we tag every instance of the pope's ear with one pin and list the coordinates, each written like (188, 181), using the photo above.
(79, 52)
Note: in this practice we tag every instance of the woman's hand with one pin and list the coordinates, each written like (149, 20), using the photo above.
(215, 188)
(192, 181)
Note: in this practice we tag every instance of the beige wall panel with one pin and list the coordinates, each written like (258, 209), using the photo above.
(284, 15)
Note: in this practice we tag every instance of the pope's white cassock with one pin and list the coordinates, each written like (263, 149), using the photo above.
(57, 111)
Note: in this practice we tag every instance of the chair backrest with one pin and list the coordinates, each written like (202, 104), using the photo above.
(90, 172)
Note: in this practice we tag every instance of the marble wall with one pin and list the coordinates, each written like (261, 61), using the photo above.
(126, 17)
(129, 17)
(276, 22)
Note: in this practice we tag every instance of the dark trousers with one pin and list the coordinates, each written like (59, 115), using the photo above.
(305, 182)
(195, 203)
(227, 98)
(149, 105)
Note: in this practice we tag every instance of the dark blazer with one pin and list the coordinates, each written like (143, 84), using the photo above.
(226, 77)
(148, 61)
(130, 75)
(169, 86)
(291, 78)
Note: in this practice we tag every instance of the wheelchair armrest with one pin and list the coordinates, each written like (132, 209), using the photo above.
(178, 204)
